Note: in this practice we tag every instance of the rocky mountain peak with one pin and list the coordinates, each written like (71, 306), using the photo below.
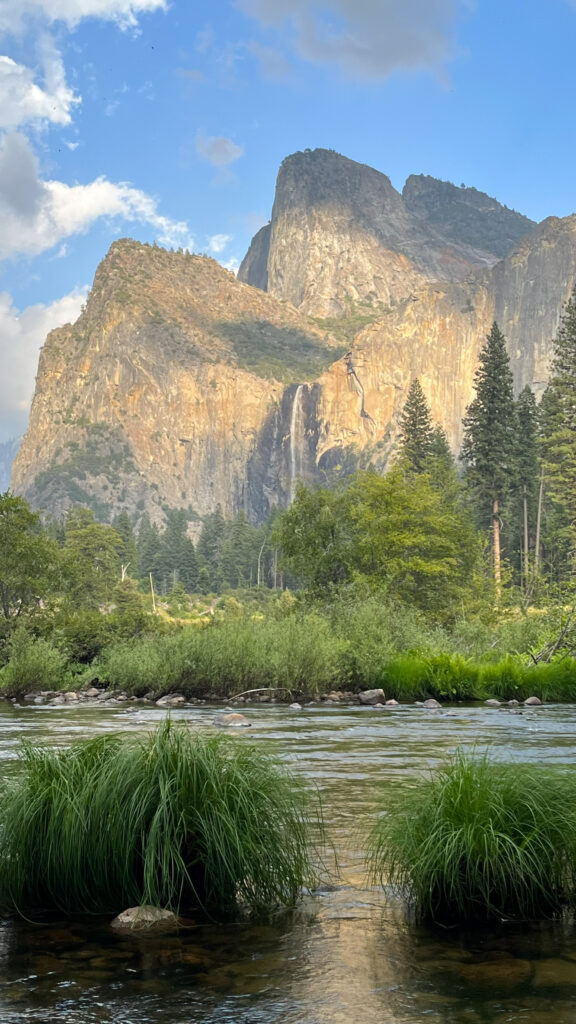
(466, 215)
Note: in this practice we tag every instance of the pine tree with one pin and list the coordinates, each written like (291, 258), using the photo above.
(559, 425)
(527, 475)
(488, 450)
(415, 440)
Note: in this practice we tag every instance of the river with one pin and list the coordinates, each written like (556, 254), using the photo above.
(349, 954)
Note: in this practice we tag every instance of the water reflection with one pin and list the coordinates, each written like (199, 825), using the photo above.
(347, 955)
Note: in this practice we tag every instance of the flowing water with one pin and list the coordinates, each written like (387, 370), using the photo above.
(296, 439)
(349, 954)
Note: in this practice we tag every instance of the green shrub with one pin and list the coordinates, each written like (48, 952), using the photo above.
(34, 664)
(452, 676)
(482, 840)
(227, 657)
(174, 818)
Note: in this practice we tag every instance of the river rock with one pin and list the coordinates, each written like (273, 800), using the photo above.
(145, 918)
(171, 700)
(232, 721)
(295, 706)
(431, 703)
(492, 703)
(91, 692)
(372, 697)
(532, 702)
(392, 703)
(71, 696)
(507, 972)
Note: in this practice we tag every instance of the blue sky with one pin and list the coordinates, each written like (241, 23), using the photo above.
(167, 120)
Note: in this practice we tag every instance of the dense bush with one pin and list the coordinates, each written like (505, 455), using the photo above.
(174, 818)
(239, 653)
(34, 664)
(482, 840)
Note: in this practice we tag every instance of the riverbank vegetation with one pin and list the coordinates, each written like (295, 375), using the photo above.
(482, 841)
(436, 578)
(173, 819)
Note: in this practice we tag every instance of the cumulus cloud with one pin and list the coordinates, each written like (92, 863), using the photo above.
(13, 13)
(365, 38)
(21, 336)
(217, 243)
(23, 101)
(36, 215)
(218, 150)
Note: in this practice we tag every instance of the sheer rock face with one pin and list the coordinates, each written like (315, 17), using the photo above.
(341, 234)
(182, 387)
(156, 395)
(466, 215)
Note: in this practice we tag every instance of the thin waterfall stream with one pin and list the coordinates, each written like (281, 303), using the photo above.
(296, 439)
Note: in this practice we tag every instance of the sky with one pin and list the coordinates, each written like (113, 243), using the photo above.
(166, 120)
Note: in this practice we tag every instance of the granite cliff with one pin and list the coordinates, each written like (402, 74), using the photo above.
(340, 233)
(181, 386)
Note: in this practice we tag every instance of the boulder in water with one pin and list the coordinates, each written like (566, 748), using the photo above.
(372, 697)
(145, 918)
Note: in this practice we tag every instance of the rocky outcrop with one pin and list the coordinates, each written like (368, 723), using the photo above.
(156, 396)
(341, 234)
(183, 387)
(466, 215)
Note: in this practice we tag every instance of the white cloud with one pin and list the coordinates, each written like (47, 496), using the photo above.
(365, 38)
(21, 337)
(217, 243)
(13, 13)
(218, 150)
(232, 264)
(37, 215)
(23, 101)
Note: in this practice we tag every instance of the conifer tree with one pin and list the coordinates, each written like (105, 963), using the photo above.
(488, 450)
(527, 474)
(415, 440)
(559, 425)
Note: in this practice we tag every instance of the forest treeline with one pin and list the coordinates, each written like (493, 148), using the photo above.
(446, 549)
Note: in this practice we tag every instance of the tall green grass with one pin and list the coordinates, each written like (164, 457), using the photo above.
(481, 840)
(34, 664)
(228, 657)
(175, 819)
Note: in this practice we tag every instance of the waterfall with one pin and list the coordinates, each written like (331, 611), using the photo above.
(296, 440)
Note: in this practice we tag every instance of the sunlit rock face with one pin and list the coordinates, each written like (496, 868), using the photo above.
(181, 386)
(340, 233)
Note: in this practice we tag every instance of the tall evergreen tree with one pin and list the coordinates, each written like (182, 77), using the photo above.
(527, 476)
(559, 425)
(415, 440)
(488, 450)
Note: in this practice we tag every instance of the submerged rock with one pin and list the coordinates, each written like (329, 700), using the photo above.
(234, 720)
(532, 702)
(392, 703)
(295, 706)
(493, 703)
(171, 700)
(372, 697)
(145, 918)
(431, 703)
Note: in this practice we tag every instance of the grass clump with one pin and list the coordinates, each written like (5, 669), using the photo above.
(34, 664)
(482, 841)
(175, 819)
